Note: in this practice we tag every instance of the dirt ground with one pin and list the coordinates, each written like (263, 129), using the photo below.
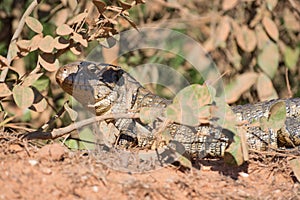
(55, 172)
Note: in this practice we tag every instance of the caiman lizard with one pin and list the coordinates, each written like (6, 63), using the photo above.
(105, 89)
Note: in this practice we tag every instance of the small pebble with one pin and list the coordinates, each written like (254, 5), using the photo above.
(206, 168)
(243, 174)
(46, 171)
(95, 188)
(33, 162)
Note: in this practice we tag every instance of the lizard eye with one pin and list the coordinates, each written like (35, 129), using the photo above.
(92, 68)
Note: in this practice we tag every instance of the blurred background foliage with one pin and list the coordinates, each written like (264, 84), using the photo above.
(255, 45)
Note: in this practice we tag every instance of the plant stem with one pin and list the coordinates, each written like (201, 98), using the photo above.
(17, 33)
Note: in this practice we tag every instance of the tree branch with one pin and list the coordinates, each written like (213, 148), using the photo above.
(55, 133)
(17, 33)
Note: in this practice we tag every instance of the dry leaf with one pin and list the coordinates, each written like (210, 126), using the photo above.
(64, 29)
(78, 38)
(48, 61)
(209, 45)
(34, 44)
(3, 61)
(271, 28)
(290, 21)
(61, 43)
(61, 17)
(124, 5)
(110, 55)
(240, 85)
(41, 105)
(246, 39)
(31, 78)
(24, 44)
(261, 36)
(4, 90)
(229, 4)
(78, 18)
(47, 44)
(100, 5)
(223, 31)
(295, 165)
(72, 113)
(72, 4)
(34, 24)
(265, 88)
(76, 50)
(260, 12)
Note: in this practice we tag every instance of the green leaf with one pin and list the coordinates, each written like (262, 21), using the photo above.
(191, 105)
(295, 165)
(277, 115)
(184, 161)
(72, 144)
(263, 123)
(291, 57)
(271, 4)
(233, 155)
(23, 96)
(182, 114)
(42, 83)
(88, 139)
(178, 150)
(268, 58)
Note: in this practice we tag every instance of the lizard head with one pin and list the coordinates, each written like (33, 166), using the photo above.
(92, 84)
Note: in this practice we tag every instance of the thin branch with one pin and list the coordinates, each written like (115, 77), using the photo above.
(295, 6)
(51, 121)
(17, 33)
(290, 94)
(274, 153)
(55, 133)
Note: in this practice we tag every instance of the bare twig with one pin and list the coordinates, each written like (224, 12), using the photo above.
(284, 154)
(295, 6)
(245, 150)
(58, 114)
(17, 33)
(55, 133)
(290, 94)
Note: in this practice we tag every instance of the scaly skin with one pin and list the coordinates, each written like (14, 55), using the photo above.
(104, 89)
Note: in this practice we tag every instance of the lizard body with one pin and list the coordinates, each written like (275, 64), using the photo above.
(106, 89)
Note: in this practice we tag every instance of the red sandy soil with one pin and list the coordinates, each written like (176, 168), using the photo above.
(55, 172)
